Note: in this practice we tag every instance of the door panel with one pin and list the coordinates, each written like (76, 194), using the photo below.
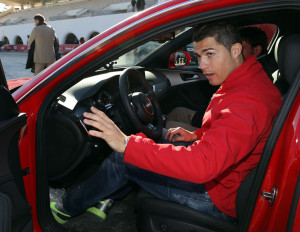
(193, 95)
(11, 175)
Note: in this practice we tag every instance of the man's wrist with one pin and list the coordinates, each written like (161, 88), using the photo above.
(195, 136)
(126, 141)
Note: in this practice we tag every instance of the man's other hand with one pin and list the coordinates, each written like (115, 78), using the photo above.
(182, 135)
(107, 129)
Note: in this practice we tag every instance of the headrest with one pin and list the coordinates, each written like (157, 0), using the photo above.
(289, 57)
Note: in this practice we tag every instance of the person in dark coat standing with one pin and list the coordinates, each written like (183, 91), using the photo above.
(140, 5)
(133, 2)
(44, 36)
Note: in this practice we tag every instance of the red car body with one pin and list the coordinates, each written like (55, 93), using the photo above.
(283, 168)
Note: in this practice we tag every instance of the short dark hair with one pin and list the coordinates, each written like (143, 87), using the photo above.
(255, 36)
(224, 33)
(39, 17)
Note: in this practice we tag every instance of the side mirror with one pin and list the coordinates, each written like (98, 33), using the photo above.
(179, 59)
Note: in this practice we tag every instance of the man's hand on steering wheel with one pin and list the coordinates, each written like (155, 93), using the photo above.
(182, 135)
(107, 129)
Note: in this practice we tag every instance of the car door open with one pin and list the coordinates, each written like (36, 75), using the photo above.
(14, 209)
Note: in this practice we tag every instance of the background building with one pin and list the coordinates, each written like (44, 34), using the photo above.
(70, 19)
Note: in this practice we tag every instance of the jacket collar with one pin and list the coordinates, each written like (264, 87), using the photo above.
(241, 74)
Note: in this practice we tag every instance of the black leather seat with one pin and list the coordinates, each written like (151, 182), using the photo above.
(280, 81)
(269, 64)
(156, 215)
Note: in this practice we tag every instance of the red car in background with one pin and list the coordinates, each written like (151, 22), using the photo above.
(44, 143)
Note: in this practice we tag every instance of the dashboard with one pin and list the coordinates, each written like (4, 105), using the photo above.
(103, 90)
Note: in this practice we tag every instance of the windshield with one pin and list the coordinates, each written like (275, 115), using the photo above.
(137, 54)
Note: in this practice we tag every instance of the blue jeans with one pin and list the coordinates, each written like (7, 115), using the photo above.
(113, 175)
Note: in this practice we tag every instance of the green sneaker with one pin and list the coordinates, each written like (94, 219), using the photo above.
(101, 209)
(56, 205)
(58, 213)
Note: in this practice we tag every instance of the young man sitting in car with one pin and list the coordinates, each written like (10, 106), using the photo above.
(254, 42)
(201, 169)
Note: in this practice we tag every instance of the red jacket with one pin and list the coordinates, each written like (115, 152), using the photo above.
(234, 130)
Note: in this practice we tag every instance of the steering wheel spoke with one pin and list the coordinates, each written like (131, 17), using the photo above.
(151, 126)
(134, 107)
(130, 97)
(150, 95)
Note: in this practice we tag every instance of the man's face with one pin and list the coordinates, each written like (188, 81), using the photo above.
(214, 60)
(36, 22)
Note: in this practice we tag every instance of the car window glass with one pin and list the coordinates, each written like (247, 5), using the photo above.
(141, 52)
(137, 54)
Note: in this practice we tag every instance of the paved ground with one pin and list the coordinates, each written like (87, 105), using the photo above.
(14, 64)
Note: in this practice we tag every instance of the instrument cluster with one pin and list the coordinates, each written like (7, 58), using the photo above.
(104, 100)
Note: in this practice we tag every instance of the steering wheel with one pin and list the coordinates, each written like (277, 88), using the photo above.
(142, 108)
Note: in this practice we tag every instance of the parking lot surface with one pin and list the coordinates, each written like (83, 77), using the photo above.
(14, 64)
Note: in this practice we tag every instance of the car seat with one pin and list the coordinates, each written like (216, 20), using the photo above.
(156, 215)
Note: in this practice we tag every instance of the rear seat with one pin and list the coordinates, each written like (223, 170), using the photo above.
(270, 65)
